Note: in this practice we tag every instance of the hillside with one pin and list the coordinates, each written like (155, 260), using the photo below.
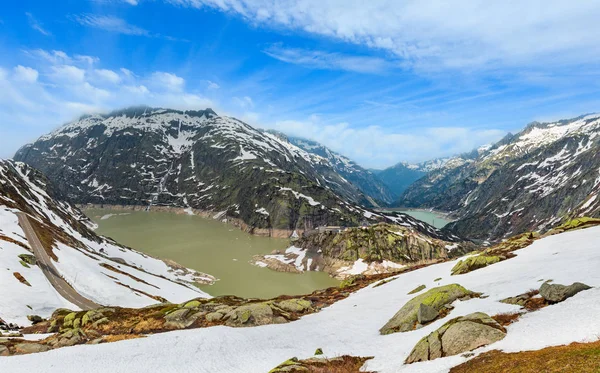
(529, 181)
(479, 312)
(400, 176)
(363, 179)
(380, 248)
(197, 160)
(90, 269)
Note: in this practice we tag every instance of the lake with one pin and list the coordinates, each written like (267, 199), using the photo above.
(436, 219)
(208, 246)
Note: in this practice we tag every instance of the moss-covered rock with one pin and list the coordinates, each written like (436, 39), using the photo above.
(192, 304)
(458, 335)
(69, 319)
(417, 289)
(295, 305)
(437, 298)
(28, 259)
(319, 351)
(474, 262)
(250, 315)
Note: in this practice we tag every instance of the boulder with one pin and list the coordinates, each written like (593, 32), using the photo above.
(4, 351)
(555, 293)
(213, 316)
(181, 318)
(474, 262)
(71, 337)
(417, 289)
(30, 348)
(295, 305)
(426, 314)
(250, 315)
(407, 317)
(34, 319)
(457, 336)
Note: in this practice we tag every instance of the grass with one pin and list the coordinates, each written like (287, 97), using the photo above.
(576, 357)
(506, 319)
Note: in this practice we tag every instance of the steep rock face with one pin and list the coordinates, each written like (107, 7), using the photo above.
(364, 180)
(527, 182)
(197, 159)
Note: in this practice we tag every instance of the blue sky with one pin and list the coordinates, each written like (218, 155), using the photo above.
(380, 81)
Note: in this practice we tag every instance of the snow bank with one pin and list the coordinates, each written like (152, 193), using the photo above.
(351, 325)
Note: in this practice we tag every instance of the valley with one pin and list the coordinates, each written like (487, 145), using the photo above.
(211, 246)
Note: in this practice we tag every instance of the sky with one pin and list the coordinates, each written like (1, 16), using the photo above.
(380, 81)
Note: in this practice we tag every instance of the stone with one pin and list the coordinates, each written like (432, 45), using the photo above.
(474, 262)
(213, 316)
(181, 318)
(417, 289)
(30, 348)
(555, 293)
(407, 317)
(426, 314)
(4, 351)
(34, 319)
(192, 304)
(459, 335)
(319, 351)
(69, 338)
(295, 305)
(91, 316)
(250, 315)
(68, 320)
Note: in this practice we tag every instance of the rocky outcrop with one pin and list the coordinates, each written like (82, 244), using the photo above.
(379, 248)
(458, 335)
(474, 262)
(346, 364)
(437, 300)
(555, 293)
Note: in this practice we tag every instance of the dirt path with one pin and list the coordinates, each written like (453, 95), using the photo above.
(45, 263)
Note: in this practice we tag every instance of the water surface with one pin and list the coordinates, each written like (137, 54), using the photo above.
(434, 218)
(208, 246)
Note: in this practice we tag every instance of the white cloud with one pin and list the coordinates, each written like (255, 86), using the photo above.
(328, 61)
(212, 85)
(436, 34)
(59, 57)
(67, 74)
(36, 25)
(377, 147)
(108, 75)
(25, 74)
(109, 23)
(168, 81)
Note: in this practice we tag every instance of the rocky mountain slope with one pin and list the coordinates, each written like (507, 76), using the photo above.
(197, 160)
(380, 248)
(529, 181)
(363, 179)
(400, 176)
(97, 268)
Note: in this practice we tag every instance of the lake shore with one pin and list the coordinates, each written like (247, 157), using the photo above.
(219, 216)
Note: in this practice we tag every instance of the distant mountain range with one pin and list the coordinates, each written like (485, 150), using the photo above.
(526, 182)
(199, 160)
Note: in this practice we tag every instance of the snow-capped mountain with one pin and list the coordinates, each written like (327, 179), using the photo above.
(79, 261)
(364, 180)
(528, 181)
(202, 161)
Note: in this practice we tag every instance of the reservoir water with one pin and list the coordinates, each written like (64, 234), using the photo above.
(209, 246)
(436, 219)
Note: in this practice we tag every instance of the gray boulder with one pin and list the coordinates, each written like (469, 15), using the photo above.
(406, 318)
(30, 348)
(4, 351)
(426, 314)
(458, 335)
(555, 293)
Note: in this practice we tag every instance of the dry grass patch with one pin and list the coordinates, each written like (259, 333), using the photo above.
(506, 319)
(576, 357)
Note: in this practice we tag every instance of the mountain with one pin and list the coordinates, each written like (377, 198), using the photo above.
(363, 179)
(398, 177)
(526, 182)
(51, 258)
(198, 160)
